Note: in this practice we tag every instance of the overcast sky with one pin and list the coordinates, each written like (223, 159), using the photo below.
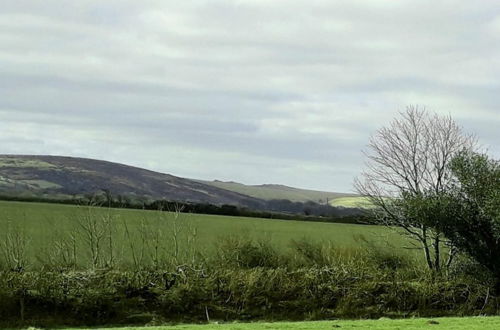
(255, 91)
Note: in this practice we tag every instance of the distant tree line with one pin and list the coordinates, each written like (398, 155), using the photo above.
(274, 209)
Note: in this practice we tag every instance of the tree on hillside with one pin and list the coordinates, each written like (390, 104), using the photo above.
(405, 161)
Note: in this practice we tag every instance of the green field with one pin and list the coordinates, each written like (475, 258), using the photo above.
(352, 202)
(217, 275)
(452, 323)
(43, 224)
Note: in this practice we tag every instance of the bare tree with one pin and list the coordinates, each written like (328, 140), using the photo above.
(410, 157)
(173, 234)
(137, 245)
(61, 251)
(96, 229)
(14, 247)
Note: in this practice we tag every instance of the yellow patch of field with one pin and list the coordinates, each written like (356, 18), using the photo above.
(352, 202)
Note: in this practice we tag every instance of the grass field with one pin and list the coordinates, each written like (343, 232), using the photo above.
(454, 323)
(41, 223)
(234, 280)
(352, 201)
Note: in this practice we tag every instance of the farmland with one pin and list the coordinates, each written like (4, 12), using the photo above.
(44, 223)
(352, 202)
(94, 266)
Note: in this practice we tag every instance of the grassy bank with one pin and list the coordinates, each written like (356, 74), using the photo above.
(454, 323)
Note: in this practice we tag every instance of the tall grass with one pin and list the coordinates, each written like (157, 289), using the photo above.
(103, 272)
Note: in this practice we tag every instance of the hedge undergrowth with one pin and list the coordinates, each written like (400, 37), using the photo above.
(245, 280)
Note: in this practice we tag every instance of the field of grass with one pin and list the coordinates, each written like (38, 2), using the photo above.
(149, 266)
(451, 323)
(352, 201)
(43, 223)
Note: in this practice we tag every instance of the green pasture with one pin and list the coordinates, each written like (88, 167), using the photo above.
(352, 202)
(44, 224)
(451, 323)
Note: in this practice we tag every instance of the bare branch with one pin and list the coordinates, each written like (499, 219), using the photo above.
(411, 156)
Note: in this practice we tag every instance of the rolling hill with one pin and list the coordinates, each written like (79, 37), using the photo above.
(277, 191)
(65, 177)
(68, 176)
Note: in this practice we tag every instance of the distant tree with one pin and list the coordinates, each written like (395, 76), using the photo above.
(108, 196)
(407, 160)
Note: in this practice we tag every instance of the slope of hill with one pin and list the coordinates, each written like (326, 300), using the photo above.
(276, 191)
(67, 176)
(64, 177)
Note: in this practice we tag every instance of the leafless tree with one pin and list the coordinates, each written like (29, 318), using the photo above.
(96, 229)
(137, 246)
(14, 247)
(411, 156)
(60, 252)
(172, 237)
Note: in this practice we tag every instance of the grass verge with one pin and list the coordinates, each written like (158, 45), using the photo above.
(455, 323)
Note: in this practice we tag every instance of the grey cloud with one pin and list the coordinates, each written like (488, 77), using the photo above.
(250, 90)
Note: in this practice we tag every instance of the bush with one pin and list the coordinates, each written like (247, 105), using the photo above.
(233, 293)
(235, 251)
(246, 280)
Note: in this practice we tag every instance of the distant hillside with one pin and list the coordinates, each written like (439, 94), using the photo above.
(275, 191)
(58, 177)
(67, 176)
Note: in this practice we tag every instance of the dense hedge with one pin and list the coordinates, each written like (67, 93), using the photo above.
(245, 281)
(104, 297)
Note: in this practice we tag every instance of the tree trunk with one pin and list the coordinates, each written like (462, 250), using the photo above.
(437, 255)
(425, 246)
(451, 256)
(496, 287)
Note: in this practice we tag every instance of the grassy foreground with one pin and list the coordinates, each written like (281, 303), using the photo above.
(452, 323)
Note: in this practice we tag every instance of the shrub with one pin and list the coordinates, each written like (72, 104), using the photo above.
(235, 251)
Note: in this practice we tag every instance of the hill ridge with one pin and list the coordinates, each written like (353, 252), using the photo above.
(54, 175)
(77, 176)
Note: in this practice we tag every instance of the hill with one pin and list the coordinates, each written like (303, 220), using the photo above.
(276, 191)
(68, 176)
(57, 177)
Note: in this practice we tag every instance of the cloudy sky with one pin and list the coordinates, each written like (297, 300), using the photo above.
(255, 91)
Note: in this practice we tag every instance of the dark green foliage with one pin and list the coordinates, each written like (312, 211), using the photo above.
(235, 251)
(89, 298)
(246, 280)
(469, 213)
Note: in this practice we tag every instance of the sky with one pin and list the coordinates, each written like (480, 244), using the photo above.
(254, 91)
